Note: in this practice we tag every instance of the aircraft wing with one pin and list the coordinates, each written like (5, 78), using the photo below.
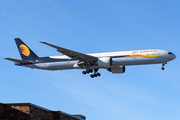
(72, 54)
(18, 61)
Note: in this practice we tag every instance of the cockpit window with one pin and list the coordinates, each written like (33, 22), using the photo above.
(170, 53)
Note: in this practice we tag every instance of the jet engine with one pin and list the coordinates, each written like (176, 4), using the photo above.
(117, 70)
(104, 62)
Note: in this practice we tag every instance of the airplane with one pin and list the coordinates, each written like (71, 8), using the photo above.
(114, 62)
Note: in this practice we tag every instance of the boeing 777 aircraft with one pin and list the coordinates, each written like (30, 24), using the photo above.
(114, 62)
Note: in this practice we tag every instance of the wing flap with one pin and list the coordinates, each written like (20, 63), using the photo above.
(72, 54)
(18, 61)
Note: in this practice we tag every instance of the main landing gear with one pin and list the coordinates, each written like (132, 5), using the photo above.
(90, 71)
(87, 71)
(163, 64)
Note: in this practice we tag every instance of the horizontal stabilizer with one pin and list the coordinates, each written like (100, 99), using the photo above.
(18, 61)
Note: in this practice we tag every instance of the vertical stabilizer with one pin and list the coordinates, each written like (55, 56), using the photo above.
(25, 52)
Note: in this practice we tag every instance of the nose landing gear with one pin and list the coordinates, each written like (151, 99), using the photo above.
(162, 68)
(163, 64)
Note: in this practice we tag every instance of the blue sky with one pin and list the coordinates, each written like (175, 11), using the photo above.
(142, 93)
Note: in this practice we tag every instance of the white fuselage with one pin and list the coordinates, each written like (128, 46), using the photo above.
(124, 58)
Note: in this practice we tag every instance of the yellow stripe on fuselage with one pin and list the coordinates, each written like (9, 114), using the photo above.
(143, 56)
(168, 58)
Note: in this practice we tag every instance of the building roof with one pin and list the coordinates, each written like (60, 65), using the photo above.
(30, 104)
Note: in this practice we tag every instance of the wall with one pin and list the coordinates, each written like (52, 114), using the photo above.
(37, 114)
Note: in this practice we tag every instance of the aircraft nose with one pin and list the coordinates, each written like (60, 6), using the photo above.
(174, 56)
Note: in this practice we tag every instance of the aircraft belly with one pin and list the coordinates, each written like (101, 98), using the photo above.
(135, 61)
(115, 62)
(123, 61)
(65, 65)
(53, 65)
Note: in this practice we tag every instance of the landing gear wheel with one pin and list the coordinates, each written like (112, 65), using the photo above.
(92, 76)
(87, 71)
(95, 75)
(163, 64)
(84, 72)
(90, 70)
(163, 68)
(98, 74)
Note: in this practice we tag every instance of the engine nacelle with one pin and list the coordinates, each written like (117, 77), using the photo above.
(105, 62)
(116, 70)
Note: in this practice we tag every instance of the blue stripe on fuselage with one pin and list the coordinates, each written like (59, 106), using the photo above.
(45, 60)
(48, 59)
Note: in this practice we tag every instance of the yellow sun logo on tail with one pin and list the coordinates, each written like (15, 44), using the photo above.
(24, 50)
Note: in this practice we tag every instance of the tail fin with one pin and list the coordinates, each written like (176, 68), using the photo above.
(25, 52)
